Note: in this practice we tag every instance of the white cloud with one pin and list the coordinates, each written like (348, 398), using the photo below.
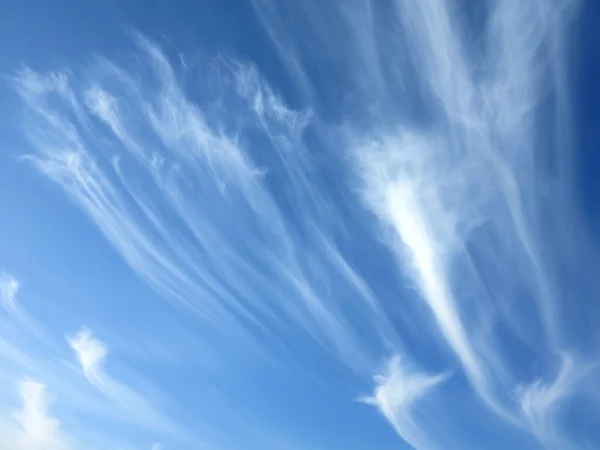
(26, 350)
(419, 235)
(32, 427)
(541, 401)
(9, 287)
(91, 354)
(396, 393)
(428, 220)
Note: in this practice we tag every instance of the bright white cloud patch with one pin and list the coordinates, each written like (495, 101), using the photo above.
(32, 427)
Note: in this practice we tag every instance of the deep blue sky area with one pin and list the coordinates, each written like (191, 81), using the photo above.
(289, 225)
(586, 61)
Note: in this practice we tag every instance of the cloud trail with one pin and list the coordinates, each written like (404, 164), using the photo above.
(396, 391)
(9, 287)
(31, 360)
(91, 355)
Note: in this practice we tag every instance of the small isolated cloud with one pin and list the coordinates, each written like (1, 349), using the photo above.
(90, 352)
(32, 427)
(12, 315)
(395, 393)
(541, 401)
(157, 446)
(9, 287)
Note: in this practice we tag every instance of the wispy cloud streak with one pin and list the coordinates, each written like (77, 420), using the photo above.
(252, 272)
(41, 371)
(454, 171)
(396, 392)
(91, 355)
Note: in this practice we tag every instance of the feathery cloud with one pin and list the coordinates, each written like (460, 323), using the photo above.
(396, 392)
(9, 287)
(91, 354)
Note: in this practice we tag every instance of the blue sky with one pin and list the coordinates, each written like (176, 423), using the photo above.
(293, 225)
